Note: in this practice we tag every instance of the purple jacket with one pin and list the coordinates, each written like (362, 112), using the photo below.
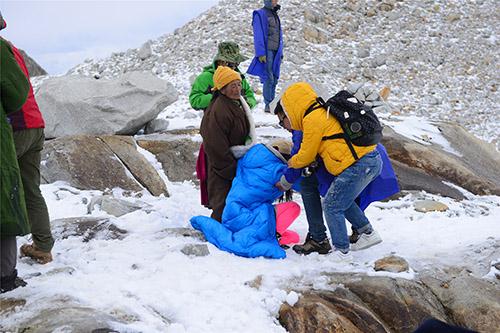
(385, 185)
(260, 31)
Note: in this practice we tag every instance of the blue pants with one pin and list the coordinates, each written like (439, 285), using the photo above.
(340, 204)
(312, 205)
(270, 84)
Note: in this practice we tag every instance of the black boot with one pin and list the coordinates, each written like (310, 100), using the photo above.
(11, 282)
(310, 246)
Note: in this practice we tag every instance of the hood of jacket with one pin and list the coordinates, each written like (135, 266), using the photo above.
(295, 101)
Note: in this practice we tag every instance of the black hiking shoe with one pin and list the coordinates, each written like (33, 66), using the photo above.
(11, 282)
(353, 238)
(311, 246)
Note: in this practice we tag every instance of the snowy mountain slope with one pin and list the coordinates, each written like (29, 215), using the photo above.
(440, 58)
(144, 280)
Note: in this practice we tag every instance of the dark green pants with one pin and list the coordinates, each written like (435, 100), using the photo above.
(29, 145)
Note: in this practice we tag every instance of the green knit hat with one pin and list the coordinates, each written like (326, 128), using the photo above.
(230, 52)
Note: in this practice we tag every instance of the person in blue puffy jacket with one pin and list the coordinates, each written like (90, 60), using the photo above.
(249, 220)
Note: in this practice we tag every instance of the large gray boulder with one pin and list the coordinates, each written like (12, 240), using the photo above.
(84, 162)
(469, 301)
(73, 105)
(99, 163)
(475, 166)
(360, 303)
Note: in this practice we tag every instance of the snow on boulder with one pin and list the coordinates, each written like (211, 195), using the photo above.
(73, 105)
(177, 153)
(428, 156)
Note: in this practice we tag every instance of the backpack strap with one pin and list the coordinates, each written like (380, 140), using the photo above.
(318, 103)
(347, 140)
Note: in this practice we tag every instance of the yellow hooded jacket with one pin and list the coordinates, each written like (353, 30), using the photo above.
(317, 124)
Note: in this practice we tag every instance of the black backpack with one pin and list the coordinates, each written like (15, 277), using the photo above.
(360, 124)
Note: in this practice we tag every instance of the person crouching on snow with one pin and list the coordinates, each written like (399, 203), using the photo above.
(228, 131)
(351, 176)
(251, 221)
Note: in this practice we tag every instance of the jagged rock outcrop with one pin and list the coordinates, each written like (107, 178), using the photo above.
(33, 67)
(75, 105)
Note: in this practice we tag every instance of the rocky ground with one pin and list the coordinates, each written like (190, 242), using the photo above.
(440, 58)
(126, 258)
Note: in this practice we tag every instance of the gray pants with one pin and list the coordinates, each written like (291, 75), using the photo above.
(29, 145)
(8, 255)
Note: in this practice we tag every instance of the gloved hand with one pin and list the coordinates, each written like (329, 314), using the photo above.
(310, 169)
(262, 59)
(280, 187)
(209, 90)
(283, 185)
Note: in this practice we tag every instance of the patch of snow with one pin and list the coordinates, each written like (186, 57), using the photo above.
(420, 130)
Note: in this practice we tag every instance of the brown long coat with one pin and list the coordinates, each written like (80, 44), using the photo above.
(224, 125)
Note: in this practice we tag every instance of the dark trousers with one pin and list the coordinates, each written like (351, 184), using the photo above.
(312, 205)
(8, 255)
(29, 145)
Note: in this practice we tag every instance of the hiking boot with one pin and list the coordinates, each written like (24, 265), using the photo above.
(366, 240)
(340, 257)
(30, 250)
(310, 246)
(353, 238)
(11, 282)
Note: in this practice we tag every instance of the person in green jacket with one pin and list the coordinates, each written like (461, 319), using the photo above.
(201, 92)
(14, 89)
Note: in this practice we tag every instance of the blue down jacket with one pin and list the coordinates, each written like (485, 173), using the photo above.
(260, 30)
(248, 225)
(385, 185)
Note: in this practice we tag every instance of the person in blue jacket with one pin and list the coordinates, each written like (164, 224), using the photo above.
(314, 183)
(268, 44)
(248, 224)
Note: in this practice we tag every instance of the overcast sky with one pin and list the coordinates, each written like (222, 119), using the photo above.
(61, 34)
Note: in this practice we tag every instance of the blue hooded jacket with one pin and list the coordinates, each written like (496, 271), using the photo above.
(260, 31)
(385, 185)
(248, 225)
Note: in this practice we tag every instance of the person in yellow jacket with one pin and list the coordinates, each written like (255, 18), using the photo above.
(352, 175)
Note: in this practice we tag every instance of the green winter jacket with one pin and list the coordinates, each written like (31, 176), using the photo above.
(201, 96)
(14, 89)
